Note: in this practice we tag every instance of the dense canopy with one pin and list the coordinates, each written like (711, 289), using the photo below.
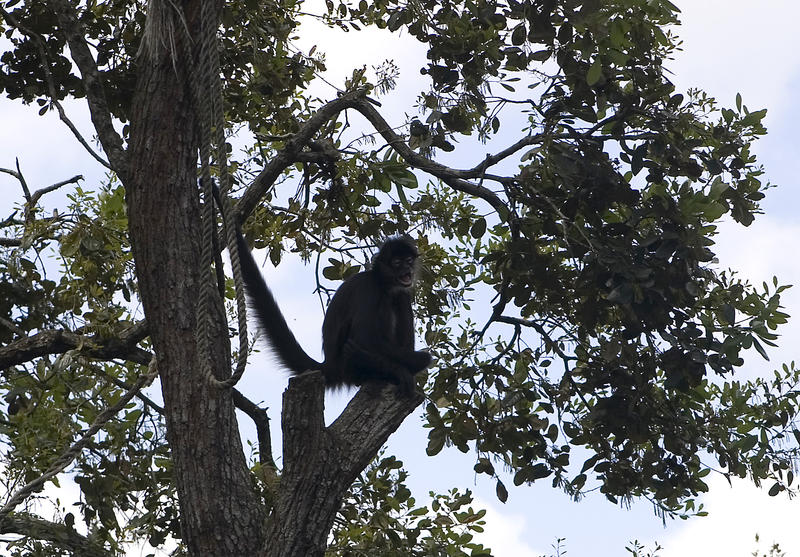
(582, 331)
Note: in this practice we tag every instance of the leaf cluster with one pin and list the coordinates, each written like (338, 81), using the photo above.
(381, 517)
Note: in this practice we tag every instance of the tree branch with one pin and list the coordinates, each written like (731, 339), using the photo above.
(292, 152)
(124, 347)
(18, 175)
(95, 93)
(40, 192)
(127, 386)
(551, 344)
(261, 420)
(60, 535)
(453, 178)
(10, 242)
(60, 341)
(51, 85)
(294, 146)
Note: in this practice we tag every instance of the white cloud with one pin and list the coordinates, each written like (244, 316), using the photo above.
(735, 46)
(737, 514)
(504, 533)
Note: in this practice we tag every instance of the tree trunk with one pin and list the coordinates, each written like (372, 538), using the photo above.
(220, 512)
(320, 463)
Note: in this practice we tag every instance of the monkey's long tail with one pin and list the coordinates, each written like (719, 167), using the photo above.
(270, 318)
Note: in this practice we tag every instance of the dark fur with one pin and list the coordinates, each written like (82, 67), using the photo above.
(368, 331)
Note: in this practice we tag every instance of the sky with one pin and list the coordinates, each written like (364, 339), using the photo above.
(729, 46)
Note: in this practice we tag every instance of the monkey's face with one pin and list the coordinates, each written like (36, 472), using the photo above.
(397, 263)
(403, 270)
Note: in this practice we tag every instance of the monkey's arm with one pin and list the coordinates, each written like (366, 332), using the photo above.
(403, 351)
(386, 355)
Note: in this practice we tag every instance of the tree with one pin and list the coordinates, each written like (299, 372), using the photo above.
(591, 233)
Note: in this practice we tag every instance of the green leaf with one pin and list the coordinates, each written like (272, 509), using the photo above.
(478, 228)
(435, 442)
(595, 72)
(729, 314)
(541, 55)
(760, 349)
(518, 35)
(502, 492)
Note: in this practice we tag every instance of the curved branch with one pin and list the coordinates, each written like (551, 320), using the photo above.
(90, 75)
(290, 153)
(40, 192)
(52, 87)
(261, 420)
(60, 535)
(20, 178)
(453, 178)
(551, 344)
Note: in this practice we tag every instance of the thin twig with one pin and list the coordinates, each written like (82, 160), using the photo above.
(20, 178)
(99, 110)
(40, 192)
(22, 181)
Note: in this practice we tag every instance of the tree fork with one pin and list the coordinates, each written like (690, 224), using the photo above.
(320, 463)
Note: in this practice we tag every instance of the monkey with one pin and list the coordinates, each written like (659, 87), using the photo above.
(368, 328)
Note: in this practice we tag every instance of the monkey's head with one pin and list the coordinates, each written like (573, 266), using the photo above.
(396, 262)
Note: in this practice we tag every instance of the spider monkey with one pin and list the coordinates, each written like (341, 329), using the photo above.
(368, 330)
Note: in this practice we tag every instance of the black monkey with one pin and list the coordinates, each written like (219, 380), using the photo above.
(368, 331)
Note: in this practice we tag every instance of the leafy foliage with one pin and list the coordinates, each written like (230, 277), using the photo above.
(380, 517)
(582, 329)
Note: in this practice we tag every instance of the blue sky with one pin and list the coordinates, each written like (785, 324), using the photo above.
(730, 46)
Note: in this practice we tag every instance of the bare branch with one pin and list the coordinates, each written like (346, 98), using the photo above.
(10, 220)
(492, 160)
(60, 535)
(95, 94)
(10, 242)
(144, 398)
(551, 344)
(40, 192)
(261, 420)
(18, 175)
(8, 324)
(22, 181)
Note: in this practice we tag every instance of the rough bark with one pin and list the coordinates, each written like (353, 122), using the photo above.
(221, 514)
(320, 464)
